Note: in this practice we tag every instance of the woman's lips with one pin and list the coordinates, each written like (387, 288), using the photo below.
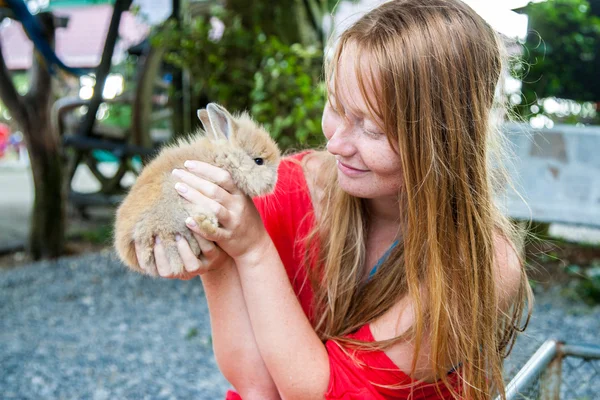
(349, 171)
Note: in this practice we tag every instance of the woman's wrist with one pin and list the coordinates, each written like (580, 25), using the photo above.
(219, 270)
(263, 249)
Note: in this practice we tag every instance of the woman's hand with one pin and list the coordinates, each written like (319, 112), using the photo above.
(241, 231)
(212, 257)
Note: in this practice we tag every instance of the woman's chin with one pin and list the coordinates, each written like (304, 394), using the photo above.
(354, 186)
(367, 187)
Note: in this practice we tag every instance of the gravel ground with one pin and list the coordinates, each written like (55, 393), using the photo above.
(555, 317)
(86, 328)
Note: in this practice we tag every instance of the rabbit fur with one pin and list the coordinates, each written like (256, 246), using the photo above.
(153, 208)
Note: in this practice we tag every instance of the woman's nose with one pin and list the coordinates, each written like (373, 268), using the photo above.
(340, 143)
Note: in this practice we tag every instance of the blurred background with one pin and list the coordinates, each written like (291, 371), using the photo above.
(91, 89)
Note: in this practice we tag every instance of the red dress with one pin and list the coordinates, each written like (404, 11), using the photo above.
(288, 217)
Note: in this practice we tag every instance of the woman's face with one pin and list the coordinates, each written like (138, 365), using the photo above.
(368, 167)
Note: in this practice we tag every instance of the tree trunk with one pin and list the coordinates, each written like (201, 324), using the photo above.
(32, 114)
(48, 222)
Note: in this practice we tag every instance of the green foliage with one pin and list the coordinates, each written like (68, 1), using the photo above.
(118, 115)
(101, 234)
(21, 81)
(560, 56)
(586, 283)
(245, 69)
(222, 70)
(284, 82)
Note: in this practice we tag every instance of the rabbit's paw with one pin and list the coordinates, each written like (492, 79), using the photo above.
(174, 263)
(169, 243)
(146, 254)
(193, 243)
(207, 222)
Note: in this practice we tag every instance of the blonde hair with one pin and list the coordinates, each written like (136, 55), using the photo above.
(435, 65)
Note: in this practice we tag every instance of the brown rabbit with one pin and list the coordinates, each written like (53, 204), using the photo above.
(153, 207)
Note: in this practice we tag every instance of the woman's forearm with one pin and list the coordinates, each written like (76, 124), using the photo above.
(295, 356)
(265, 302)
(234, 345)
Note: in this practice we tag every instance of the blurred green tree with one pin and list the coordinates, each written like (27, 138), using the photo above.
(289, 20)
(268, 61)
(561, 56)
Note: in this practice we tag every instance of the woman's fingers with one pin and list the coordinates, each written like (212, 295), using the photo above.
(211, 256)
(215, 235)
(193, 266)
(162, 262)
(205, 187)
(160, 257)
(209, 249)
(213, 174)
(203, 202)
(190, 261)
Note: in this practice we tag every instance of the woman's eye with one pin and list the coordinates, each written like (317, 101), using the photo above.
(371, 131)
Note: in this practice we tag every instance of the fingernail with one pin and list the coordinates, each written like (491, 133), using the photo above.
(190, 221)
(180, 187)
(189, 164)
(157, 240)
(195, 268)
(177, 237)
(177, 172)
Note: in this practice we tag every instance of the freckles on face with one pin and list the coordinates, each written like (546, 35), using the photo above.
(384, 176)
(368, 166)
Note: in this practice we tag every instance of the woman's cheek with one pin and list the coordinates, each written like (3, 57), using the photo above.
(328, 123)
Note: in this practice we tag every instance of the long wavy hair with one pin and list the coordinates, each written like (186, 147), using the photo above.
(435, 66)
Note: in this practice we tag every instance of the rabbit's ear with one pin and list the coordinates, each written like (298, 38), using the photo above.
(203, 117)
(221, 121)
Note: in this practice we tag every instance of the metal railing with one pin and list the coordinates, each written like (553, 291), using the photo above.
(558, 371)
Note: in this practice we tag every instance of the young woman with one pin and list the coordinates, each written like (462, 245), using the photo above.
(379, 268)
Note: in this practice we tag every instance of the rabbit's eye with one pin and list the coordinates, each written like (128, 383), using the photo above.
(259, 161)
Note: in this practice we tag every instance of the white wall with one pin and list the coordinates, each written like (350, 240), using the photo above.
(557, 171)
